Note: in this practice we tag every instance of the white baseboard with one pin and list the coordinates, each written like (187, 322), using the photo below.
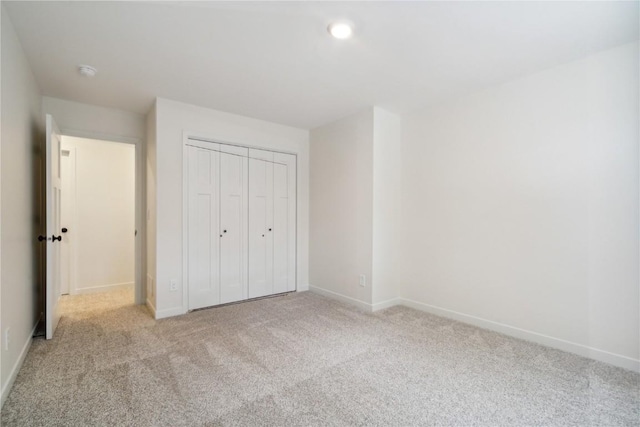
(105, 288)
(386, 304)
(558, 343)
(546, 340)
(355, 302)
(152, 308)
(6, 387)
(168, 312)
(334, 295)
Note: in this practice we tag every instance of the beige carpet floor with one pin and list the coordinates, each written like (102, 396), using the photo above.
(303, 359)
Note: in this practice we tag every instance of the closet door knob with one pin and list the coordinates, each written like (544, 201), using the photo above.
(224, 231)
(269, 229)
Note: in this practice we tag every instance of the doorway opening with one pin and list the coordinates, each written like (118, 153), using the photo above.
(98, 220)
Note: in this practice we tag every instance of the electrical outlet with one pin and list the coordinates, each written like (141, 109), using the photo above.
(363, 280)
(173, 286)
(6, 339)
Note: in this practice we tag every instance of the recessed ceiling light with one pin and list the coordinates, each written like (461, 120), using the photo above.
(87, 70)
(340, 30)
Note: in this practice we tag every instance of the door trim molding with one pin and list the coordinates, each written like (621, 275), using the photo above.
(140, 249)
(202, 142)
(185, 227)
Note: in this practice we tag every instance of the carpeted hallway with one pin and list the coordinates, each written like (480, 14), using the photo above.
(303, 359)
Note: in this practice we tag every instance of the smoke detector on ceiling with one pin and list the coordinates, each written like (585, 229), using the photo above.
(87, 70)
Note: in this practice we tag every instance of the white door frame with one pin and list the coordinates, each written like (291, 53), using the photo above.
(140, 201)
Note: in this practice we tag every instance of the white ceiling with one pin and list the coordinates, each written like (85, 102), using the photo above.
(276, 61)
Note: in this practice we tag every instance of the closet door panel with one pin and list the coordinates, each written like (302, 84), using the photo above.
(260, 226)
(292, 174)
(204, 285)
(280, 228)
(285, 216)
(233, 227)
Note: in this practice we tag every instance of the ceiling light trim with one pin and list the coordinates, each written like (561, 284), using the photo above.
(341, 30)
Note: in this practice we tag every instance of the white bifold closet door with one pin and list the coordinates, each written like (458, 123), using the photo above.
(260, 227)
(204, 227)
(241, 223)
(271, 223)
(233, 224)
(217, 225)
(284, 223)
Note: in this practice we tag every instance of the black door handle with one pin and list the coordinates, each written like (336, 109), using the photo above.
(41, 238)
(64, 229)
(58, 238)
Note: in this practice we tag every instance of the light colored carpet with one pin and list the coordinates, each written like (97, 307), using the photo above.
(303, 359)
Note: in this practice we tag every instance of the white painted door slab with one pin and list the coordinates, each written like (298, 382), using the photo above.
(233, 226)
(204, 228)
(284, 225)
(260, 228)
(68, 222)
(53, 193)
(280, 228)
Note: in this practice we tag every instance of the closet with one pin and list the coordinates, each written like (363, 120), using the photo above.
(241, 223)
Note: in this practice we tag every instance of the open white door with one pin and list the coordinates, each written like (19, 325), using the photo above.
(53, 196)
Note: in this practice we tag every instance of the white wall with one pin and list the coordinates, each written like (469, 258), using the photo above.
(92, 121)
(387, 172)
(104, 226)
(173, 118)
(520, 206)
(22, 136)
(341, 216)
(355, 208)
